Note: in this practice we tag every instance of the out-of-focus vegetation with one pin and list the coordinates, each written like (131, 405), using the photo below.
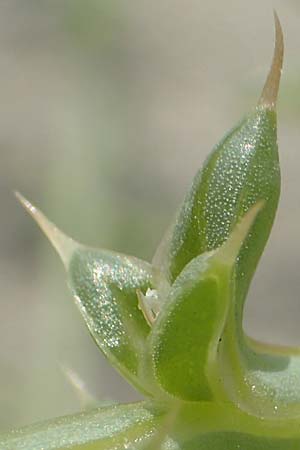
(104, 106)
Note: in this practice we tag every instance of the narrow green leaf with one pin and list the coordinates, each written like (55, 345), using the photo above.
(104, 285)
(261, 379)
(186, 335)
(242, 169)
(199, 352)
(187, 330)
(195, 426)
(114, 427)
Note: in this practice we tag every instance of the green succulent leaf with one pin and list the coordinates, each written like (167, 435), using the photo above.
(186, 336)
(173, 328)
(187, 331)
(194, 426)
(241, 170)
(263, 379)
(112, 427)
(104, 285)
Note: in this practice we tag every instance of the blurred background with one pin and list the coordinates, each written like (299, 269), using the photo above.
(107, 110)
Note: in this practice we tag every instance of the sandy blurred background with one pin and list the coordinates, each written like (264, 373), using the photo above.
(107, 109)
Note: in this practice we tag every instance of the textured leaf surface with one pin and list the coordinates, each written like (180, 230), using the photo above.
(243, 394)
(104, 285)
(242, 170)
(188, 331)
(207, 426)
(102, 429)
(186, 334)
(264, 380)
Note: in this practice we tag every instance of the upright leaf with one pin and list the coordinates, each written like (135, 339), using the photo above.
(242, 169)
(185, 337)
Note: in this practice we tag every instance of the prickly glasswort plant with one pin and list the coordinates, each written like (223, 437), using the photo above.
(173, 328)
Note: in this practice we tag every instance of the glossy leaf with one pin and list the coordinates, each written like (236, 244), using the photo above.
(187, 333)
(264, 380)
(241, 170)
(187, 330)
(102, 429)
(196, 426)
(174, 328)
(104, 285)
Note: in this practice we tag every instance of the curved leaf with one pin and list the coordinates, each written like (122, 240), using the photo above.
(241, 170)
(244, 167)
(264, 380)
(185, 338)
(104, 285)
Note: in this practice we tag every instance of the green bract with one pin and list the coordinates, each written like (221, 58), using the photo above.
(173, 328)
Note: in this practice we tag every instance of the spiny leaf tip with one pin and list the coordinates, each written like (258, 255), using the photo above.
(269, 93)
(63, 244)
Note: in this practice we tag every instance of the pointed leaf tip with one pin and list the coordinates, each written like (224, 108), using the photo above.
(269, 93)
(63, 244)
(230, 249)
